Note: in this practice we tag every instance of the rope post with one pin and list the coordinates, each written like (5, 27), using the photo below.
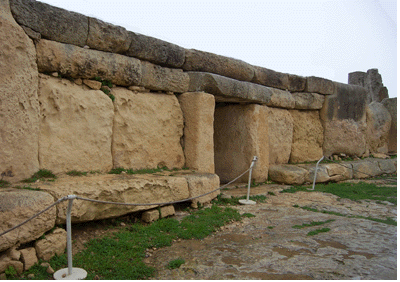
(316, 171)
(70, 273)
(247, 201)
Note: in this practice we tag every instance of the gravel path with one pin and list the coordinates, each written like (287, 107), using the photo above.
(268, 247)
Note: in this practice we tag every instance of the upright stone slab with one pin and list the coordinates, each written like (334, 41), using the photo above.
(343, 117)
(198, 135)
(19, 107)
(76, 126)
(147, 130)
(391, 106)
(241, 132)
(372, 81)
(280, 134)
(308, 136)
(379, 122)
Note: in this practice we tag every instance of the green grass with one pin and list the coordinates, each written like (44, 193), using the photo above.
(4, 183)
(41, 174)
(176, 263)
(314, 223)
(315, 232)
(76, 173)
(235, 200)
(27, 188)
(120, 256)
(119, 170)
(353, 191)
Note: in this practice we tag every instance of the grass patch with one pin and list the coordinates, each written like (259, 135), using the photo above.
(315, 232)
(76, 173)
(119, 170)
(353, 191)
(314, 223)
(176, 263)
(4, 183)
(120, 256)
(234, 201)
(27, 188)
(41, 174)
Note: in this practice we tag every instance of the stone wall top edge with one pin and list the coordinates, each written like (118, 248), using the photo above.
(28, 12)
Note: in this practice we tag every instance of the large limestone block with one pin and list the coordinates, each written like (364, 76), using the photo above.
(379, 122)
(240, 133)
(366, 168)
(147, 130)
(107, 37)
(391, 106)
(308, 136)
(135, 189)
(76, 62)
(271, 78)
(19, 107)
(288, 174)
(372, 81)
(155, 77)
(76, 126)
(200, 61)
(231, 90)
(280, 134)
(200, 184)
(16, 206)
(155, 50)
(320, 85)
(343, 117)
(297, 83)
(29, 257)
(339, 172)
(52, 244)
(308, 101)
(387, 166)
(51, 22)
(198, 134)
(322, 173)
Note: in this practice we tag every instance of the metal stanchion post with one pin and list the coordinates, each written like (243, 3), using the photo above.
(70, 273)
(247, 201)
(316, 171)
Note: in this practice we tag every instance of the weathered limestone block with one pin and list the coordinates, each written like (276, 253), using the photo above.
(308, 101)
(320, 85)
(137, 189)
(379, 122)
(93, 84)
(107, 37)
(372, 81)
(198, 133)
(200, 184)
(51, 22)
(231, 90)
(322, 173)
(297, 83)
(201, 61)
(147, 130)
(271, 78)
(308, 136)
(76, 127)
(280, 134)
(343, 117)
(366, 168)
(16, 206)
(167, 211)
(339, 172)
(54, 243)
(155, 77)
(391, 106)
(29, 257)
(387, 166)
(76, 62)
(240, 133)
(6, 262)
(155, 50)
(288, 174)
(153, 215)
(19, 108)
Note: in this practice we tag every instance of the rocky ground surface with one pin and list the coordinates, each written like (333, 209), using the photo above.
(268, 247)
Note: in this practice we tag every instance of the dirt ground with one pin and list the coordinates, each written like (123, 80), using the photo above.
(268, 247)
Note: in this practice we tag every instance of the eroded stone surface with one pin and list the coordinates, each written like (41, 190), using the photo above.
(379, 122)
(391, 106)
(147, 130)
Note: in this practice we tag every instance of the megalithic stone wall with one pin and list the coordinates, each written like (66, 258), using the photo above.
(145, 78)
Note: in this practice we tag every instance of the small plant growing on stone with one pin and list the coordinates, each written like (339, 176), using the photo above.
(4, 183)
(176, 263)
(76, 173)
(42, 173)
(11, 272)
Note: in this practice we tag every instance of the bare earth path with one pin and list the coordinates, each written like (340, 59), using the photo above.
(268, 247)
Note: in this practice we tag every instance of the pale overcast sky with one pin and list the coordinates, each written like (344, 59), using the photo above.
(305, 37)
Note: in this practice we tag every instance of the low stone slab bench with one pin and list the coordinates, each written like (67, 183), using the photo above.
(297, 174)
